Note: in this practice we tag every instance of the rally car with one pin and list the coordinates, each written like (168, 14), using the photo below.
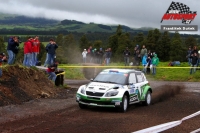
(117, 88)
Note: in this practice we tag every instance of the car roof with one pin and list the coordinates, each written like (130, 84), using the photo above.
(121, 70)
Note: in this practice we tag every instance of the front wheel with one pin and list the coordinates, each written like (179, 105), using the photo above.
(147, 101)
(124, 105)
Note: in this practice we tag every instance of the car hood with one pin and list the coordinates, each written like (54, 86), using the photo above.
(101, 87)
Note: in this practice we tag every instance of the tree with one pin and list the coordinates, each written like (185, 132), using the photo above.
(176, 48)
(138, 39)
(83, 42)
(190, 42)
(123, 42)
(2, 45)
(163, 47)
(59, 40)
(97, 44)
(150, 41)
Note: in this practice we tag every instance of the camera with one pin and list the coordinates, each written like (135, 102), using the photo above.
(19, 41)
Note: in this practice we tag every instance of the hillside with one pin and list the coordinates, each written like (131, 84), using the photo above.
(14, 23)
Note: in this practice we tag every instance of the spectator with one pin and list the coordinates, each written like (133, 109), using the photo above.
(126, 56)
(143, 52)
(137, 58)
(45, 63)
(2, 59)
(51, 48)
(36, 50)
(144, 63)
(150, 54)
(155, 61)
(189, 52)
(148, 64)
(12, 49)
(198, 58)
(28, 52)
(194, 50)
(136, 55)
(89, 52)
(100, 55)
(84, 54)
(51, 71)
(108, 56)
(194, 62)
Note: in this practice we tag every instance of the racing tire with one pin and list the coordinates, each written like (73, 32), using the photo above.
(148, 99)
(124, 105)
(82, 106)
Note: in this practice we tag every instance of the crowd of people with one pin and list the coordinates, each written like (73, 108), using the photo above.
(149, 60)
(97, 56)
(31, 49)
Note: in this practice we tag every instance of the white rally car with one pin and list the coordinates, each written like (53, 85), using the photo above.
(115, 88)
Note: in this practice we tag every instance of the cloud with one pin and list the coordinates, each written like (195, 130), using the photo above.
(133, 13)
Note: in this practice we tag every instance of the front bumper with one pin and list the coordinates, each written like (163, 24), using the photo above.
(99, 102)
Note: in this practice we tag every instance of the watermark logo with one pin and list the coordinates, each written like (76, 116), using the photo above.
(179, 11)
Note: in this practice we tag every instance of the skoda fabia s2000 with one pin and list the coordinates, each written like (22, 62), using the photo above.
(117, 88)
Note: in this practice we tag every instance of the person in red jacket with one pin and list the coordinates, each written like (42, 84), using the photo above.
(36, 50)
(28, 52)
(51, 71)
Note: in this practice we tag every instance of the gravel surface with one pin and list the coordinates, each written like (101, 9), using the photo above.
(171, 101)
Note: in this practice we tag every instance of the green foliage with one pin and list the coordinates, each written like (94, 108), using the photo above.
(83, 42)
(190, 42)
(2, 45)
(163, 47)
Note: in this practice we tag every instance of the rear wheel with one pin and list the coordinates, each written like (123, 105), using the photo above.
(147, 101)
(82, 106)
(124, 105)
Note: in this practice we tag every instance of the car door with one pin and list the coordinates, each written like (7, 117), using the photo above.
(133, 87)
(140, 82)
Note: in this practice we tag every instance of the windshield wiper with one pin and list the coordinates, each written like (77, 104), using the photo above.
(111, 82)
(96, 81)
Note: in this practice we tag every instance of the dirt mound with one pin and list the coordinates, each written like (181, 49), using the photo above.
(19, 84)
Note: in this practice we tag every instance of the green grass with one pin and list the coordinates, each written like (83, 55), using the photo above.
(73, 73)
(162, 74)
(175, 74)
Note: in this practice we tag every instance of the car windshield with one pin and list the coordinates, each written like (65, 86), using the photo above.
(111, 78)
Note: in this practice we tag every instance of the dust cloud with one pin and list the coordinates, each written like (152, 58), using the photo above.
(164, 92)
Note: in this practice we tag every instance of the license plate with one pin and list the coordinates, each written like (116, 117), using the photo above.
(93, 104)
(117, 103)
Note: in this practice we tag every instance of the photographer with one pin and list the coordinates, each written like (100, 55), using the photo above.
(51, 48)
(51, 71)
(2, 59)
(12, 49)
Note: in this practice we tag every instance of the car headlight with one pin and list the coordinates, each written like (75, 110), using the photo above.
(83, 90)
(111, 93)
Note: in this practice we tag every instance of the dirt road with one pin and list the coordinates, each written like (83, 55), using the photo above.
(171, 101)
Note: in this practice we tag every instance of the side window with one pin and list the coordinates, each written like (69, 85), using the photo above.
(139, 78)
(132, 78)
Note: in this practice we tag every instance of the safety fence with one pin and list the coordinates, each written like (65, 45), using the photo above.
(165, 126)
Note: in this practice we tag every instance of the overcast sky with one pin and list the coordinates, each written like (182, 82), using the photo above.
(132, 13)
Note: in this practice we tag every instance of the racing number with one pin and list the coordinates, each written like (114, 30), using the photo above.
(133, 98)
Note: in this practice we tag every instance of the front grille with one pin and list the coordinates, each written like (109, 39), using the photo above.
(98, 94)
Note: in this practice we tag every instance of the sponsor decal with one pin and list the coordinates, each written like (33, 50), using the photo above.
(133, 98)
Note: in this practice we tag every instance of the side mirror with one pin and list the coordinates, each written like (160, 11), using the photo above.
(91, 79)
